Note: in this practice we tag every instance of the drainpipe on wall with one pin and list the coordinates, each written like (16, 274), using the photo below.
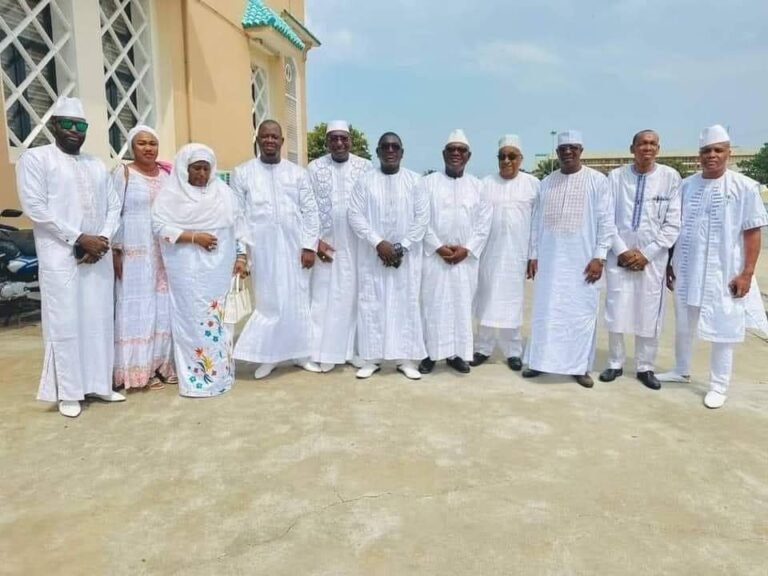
(187, 82)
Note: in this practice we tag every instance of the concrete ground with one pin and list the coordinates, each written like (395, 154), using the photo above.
(305, 474)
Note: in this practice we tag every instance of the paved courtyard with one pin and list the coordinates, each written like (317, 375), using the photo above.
(324, 475)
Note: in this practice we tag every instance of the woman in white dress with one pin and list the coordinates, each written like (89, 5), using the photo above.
(143, 353)
(195, 216)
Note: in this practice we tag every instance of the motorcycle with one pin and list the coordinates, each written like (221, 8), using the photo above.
(19, 287)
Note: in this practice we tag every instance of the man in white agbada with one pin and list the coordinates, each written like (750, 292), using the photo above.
(645, 197)
(571, 236)
(459, 224)
(389, 213)
(74, 213)
(282, 230)
(334, 278)
(499, 299)
(713, 265)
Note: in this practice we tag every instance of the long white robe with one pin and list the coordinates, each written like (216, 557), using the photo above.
(142, 307)
(572, 226)
(501, 287)
(710, 251)
(459, 214)
(646, 210)
(334, 284)
(66, 196)
(393, 208)
(281, 220)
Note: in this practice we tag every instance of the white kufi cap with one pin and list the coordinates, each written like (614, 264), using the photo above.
(457, 137)
(337, 126)
(713, 135)
(510, 140)
(570, 137)
(69, 108)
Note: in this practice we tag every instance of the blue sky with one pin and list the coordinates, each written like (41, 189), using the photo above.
(606, 67)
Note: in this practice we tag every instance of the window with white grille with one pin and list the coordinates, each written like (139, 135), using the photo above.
(125, 39)
(35, 57)
(291, 110)
(259, 97)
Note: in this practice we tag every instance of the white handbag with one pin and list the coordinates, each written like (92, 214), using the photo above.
(237, 305)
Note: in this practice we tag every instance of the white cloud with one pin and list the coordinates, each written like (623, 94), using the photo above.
(506, 58)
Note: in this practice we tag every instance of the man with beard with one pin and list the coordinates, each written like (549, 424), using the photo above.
(646, 203)
(334, 278)
(499, 302)
(571, 236)
(281, 230)
(713, 266)
(74, 215)
(459, 224)
(389, 212)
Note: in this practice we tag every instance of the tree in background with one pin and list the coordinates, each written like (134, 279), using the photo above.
(316, 142)
(679, 166)
(545, 168)
(757, 167)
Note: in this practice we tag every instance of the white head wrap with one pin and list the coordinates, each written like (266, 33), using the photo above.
(188, 207)
(510, 140)
(337, 126)
(141, 128)
(713, 135)
(570, 137)
(69, 108)
(457, 137)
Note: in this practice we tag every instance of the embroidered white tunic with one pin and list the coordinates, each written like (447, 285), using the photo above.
(334, 284)
(65, 196)
(281, 219)
(710, 251)
(142, 317)
(500, 292)
(459, 215)
(646, 210)
(393, 208)
(571, 227)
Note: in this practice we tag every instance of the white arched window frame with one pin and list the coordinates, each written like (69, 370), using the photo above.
(260, 110)
(37, 62)
(292, 110)
(129, 87)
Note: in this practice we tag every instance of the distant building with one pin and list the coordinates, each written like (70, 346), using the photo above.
(197, 70)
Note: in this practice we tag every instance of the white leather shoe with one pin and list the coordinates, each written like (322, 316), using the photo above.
(673, 377)
(409, 370)
(327, 367)
(714, 399)
(309, 366)
(263, 371)
(69, 408)
(367, 371)
(111, 397)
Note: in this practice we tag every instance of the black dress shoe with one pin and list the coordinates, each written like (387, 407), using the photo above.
(515, 363)
(649, 380)
(458, 364)
(531, 373)
(584, 380)
(427, 365)
(478, 359)
(610, 374)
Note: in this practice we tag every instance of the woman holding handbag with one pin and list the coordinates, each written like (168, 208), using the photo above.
(194, 217)
(143, 348)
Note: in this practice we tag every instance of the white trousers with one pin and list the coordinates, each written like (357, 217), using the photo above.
(721, 357)
(508, 340)
(645, 352)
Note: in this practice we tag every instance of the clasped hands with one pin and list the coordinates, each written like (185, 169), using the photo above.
(452, 253)
(633, 260)
(95, 247)
(391, 255)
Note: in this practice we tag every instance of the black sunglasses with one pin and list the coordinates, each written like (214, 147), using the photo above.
(67, 124)
(511, 157)
(390, 146)
(456, 150)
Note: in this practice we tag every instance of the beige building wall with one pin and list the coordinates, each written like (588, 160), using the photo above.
(202, 62)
